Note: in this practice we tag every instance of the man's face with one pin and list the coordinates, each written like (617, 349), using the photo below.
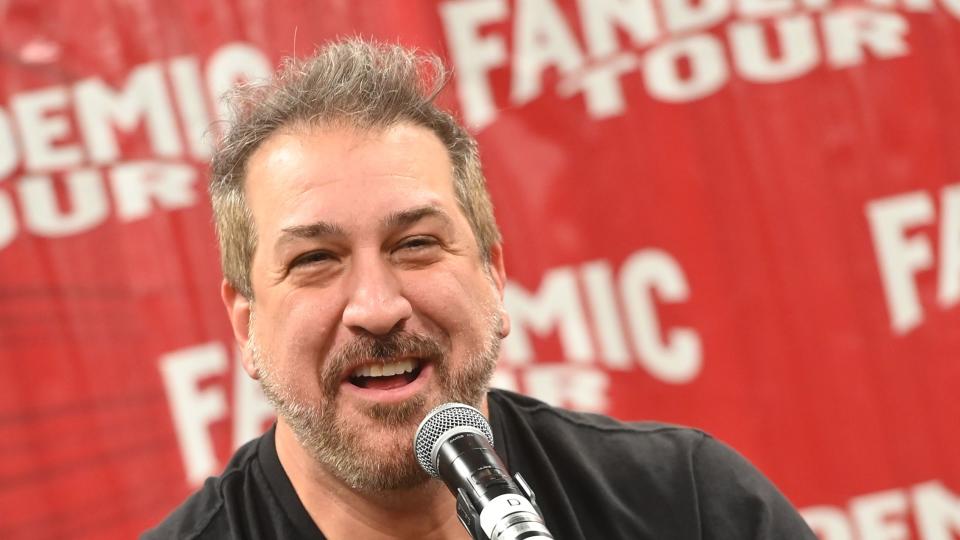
(372, 303)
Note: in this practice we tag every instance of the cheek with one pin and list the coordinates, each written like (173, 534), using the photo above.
(459, 304)
(302, 330)
(435, 300)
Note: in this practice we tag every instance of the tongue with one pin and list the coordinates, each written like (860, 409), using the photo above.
(385, 383)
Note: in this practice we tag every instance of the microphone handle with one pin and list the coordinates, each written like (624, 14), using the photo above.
(467, 462)
(490, 505)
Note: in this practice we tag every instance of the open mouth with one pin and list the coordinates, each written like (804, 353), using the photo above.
(386, 376)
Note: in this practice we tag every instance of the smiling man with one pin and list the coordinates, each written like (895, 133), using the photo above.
(364, 282)
(373, 303)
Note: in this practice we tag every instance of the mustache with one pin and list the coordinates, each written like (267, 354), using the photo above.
(364, 348)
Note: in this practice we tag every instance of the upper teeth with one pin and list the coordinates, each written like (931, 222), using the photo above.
(385, 370)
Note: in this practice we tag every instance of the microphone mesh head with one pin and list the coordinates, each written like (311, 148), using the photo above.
(441, 420)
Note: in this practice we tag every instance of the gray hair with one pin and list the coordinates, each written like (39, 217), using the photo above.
(351, 83)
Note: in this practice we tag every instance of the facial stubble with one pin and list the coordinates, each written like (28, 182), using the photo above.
(339, 445)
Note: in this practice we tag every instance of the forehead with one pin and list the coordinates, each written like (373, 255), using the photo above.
(302, 175)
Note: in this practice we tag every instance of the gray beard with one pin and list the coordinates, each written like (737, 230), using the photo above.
(337, 445)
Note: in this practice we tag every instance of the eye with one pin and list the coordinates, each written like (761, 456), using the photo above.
(311, 258)
(417, 250)
(417, 242)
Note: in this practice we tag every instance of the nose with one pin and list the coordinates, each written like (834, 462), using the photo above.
(376, 304)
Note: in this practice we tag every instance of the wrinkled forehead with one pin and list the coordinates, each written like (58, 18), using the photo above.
(335, 172)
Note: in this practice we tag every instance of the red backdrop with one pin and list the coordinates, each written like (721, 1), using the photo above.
(743, 216)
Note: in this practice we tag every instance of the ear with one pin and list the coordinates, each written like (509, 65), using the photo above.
(238, 311)
(499, 275)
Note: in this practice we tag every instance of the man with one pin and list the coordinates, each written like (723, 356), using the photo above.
(364, 280)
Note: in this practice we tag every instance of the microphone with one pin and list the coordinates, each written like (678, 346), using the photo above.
(454, 443)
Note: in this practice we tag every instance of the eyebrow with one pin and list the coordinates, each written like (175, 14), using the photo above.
(401, 218)
(306, 232)
(311, 230)
(404, 218)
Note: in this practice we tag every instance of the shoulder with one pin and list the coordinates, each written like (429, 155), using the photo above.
(636, 460)
(204, 513)
(581, 431)
(696, 480)
(736, 498)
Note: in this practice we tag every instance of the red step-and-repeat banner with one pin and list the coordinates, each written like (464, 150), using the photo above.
(742, 215)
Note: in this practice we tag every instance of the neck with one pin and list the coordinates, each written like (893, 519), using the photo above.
(426, 512)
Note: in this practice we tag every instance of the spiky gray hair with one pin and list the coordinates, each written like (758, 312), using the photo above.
(351, 83)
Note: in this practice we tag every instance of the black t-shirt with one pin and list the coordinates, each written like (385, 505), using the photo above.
(594, 478)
